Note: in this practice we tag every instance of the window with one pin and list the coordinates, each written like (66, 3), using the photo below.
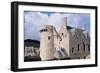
(83, 46)
(48, 37)
(72, 50)
(78, 48)
(62, 34)
(88, 47)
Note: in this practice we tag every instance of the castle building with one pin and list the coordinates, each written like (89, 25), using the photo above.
(67, 43)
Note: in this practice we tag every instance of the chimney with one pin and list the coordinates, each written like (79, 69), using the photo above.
(65, 21)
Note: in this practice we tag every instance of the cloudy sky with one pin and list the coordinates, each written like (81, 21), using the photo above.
(34, 20)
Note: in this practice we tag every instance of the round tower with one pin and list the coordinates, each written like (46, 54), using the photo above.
(47, 42)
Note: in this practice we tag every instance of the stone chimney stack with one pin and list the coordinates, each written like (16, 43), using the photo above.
(65, 21)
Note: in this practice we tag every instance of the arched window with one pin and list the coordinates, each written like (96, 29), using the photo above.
(78, 48)
(83, 46)
(88, 47)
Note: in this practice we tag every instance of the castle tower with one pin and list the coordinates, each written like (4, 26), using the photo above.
(47, 42)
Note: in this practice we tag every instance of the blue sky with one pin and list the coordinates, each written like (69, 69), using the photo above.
(34, 20)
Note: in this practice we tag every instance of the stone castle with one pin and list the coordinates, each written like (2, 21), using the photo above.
(67, 43)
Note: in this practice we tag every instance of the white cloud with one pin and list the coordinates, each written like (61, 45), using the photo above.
(56, 19)
(33, 21)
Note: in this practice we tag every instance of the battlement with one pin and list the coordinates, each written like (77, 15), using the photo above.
(44, 28)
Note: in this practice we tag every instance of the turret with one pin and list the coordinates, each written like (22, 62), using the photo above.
(47, 42)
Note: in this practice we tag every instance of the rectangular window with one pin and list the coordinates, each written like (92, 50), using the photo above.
(48, 37)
